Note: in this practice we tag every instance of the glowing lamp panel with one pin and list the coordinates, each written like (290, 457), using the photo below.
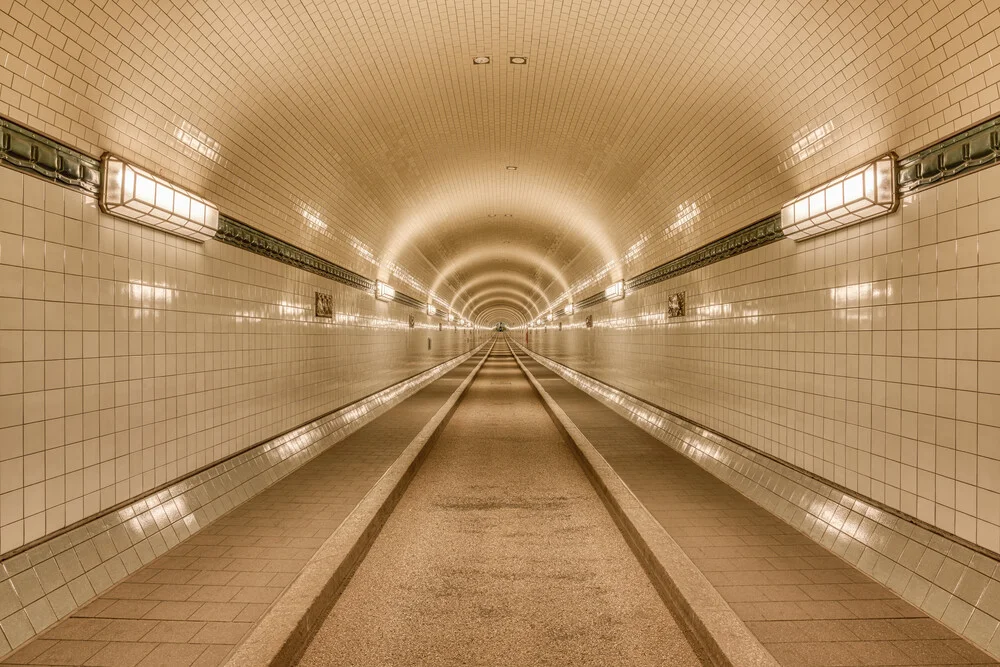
(135, 194)
(384, 292)
(863, 194)
(615, 291)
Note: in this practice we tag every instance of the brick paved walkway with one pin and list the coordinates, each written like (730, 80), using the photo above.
(194, 603)
(805, 604)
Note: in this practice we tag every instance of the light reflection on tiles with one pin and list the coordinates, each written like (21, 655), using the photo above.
(129, 358)
(889, 549)
(869, 357)
(106, 550)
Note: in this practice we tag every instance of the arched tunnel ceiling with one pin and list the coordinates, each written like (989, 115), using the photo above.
(364, 132)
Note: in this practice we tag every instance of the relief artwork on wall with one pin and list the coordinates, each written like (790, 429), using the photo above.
(324, 304)
(675, 305)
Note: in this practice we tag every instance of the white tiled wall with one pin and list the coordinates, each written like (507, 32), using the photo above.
(129, 357)
(870, 356)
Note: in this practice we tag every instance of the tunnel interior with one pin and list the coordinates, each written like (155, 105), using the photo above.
(734, 267)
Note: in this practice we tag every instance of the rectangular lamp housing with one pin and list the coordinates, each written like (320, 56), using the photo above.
(130, 192)
(384, 292)
(615, 291)
(865, 193)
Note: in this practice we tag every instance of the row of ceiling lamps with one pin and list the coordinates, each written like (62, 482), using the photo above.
(859, 195)
(133, 193)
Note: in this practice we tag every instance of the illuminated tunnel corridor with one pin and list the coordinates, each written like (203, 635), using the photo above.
(499, 333)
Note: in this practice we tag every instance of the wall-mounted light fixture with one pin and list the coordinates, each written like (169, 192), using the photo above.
(864, 193)
(568, 309)
(451, 317)
(135, 194)
(615, 291)
(431, 310)
(384, 292)
(549, 317)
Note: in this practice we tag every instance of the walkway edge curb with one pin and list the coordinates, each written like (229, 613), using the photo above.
(725, 637)
(287, 627)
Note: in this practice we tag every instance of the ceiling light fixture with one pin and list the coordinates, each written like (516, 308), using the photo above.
(518, 60)
(615, 291)
(384, 292)
(511, 167)
(862, 194)
(133, 193)
(481, 60)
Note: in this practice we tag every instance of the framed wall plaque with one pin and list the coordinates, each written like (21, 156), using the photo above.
(675, 305)
(324, 304)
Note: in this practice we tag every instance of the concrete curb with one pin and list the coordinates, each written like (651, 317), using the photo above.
(286, 629)
(726, 639)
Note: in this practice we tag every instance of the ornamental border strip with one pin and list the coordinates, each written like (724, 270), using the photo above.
(408, 300)
(760, 233)
(971, 149)
(34, 154)
(243, 236)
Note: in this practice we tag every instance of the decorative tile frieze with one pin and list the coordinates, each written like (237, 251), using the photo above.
(78, 564)
(243, 236)
(950, 579)
(407, 300)
(591, 300)
(753, 236)
(30, 152)
(972, 149)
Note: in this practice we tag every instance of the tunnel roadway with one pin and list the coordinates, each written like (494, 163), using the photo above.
(500, 553)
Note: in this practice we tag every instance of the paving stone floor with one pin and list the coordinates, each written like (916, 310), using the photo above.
(192, 605)
(805, 604)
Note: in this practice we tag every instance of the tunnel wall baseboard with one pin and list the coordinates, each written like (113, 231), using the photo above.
(52, 578)
(956, 583)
